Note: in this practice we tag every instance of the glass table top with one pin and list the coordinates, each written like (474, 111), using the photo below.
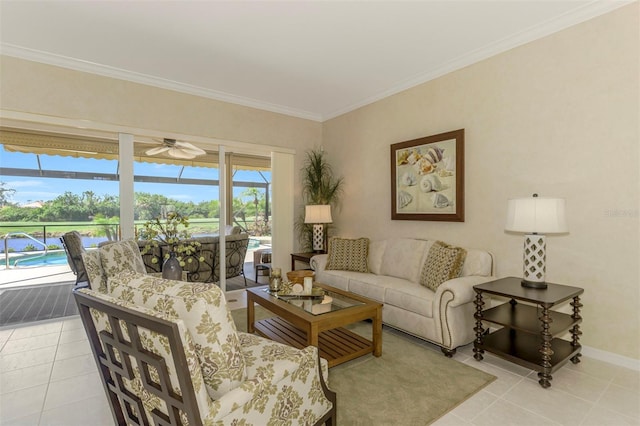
(321, 301)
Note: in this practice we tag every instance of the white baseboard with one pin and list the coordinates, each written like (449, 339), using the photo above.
(611, 358)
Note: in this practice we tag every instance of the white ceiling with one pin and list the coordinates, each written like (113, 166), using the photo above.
(311, 59)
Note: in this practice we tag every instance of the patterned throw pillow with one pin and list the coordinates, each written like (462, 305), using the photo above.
(121, 256)
(204, 311)
(95, 274)
(443, 263)
(348, 255)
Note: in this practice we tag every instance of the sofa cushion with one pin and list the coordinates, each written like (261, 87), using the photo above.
(410, 297)
(443, 263)
(95, 274)
(204, 310)
(338, 279)
(478, 262)
(348, 254)
(370, 285)
(376, 252)
(402, 258)
(232, 230)
(121, 256)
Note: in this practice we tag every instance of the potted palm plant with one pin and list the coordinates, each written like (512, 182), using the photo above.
(319, 186)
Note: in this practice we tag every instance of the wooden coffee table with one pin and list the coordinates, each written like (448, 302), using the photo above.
(297, 327)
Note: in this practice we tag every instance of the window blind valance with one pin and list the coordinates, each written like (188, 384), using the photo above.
(90, 147)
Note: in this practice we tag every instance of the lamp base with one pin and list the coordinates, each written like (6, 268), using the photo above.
(535, 259)
(318, 237)
(533, 284)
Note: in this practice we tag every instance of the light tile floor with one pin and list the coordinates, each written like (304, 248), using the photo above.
(48, 377)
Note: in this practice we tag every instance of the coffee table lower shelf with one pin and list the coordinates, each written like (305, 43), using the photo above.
(337, 345)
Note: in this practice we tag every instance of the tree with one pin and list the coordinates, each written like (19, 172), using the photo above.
(109, 206)
(89, 201)
(108, 226)
(5, 195)
(149, 206)
(253, 204)
(67, 206)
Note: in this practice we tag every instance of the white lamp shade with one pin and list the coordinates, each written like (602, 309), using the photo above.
(317, 214)
(536, 215)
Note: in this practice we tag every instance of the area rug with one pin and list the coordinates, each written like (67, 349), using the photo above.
(36, 303)
(237, 283)
(409, 384)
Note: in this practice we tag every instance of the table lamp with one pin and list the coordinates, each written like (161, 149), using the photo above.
(318, 215)
(535, 217)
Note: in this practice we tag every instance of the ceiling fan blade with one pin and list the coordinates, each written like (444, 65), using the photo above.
(157, 150)
(180, 153)
(190, 148)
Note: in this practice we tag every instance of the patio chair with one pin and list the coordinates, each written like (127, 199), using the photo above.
(262, 262)
(236, 246)
(72, 243)
(168, 353)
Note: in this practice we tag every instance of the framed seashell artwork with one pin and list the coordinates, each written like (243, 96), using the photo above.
(427, 178)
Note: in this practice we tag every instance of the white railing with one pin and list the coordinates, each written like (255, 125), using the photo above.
(23, 234)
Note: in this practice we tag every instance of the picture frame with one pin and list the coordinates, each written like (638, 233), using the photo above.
(427, 178)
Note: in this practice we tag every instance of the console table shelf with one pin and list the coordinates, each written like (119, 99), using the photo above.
(529, 333)
(524, 349)
(526, 318)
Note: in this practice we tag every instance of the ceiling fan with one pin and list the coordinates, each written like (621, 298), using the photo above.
(176, 149)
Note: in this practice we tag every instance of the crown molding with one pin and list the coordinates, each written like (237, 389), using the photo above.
(574, 17)
(112, 72)
(559, 23)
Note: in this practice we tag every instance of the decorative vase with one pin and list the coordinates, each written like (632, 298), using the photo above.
(171, 269)
(275, 279)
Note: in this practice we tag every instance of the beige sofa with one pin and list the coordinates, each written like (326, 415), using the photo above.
(444, 317)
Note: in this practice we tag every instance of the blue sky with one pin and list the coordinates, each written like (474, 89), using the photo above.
(29, 189)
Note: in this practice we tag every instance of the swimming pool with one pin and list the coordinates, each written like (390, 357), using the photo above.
(55, 258)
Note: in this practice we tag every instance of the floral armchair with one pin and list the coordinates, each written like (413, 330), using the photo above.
(169, 353)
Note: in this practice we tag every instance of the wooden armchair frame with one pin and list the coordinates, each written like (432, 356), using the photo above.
(115, 365)
(126, 407)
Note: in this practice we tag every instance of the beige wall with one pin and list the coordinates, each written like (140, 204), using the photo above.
(47, 90)
(44, 89)
(559, 117)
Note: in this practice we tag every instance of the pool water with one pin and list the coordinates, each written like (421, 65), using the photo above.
(57, 258)
(50, 259)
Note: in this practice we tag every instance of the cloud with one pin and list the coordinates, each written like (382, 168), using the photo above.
(24, 183)
(181, 197)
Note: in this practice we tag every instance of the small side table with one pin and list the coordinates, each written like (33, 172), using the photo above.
(528, 336)
(302, 257)
(262, 262)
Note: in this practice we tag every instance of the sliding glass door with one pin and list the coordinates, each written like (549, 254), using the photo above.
(58, 182)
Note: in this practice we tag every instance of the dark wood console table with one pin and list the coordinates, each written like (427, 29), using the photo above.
(302, 257)
(529, 333)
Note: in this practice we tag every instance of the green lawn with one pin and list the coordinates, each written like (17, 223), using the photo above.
(90, 228)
